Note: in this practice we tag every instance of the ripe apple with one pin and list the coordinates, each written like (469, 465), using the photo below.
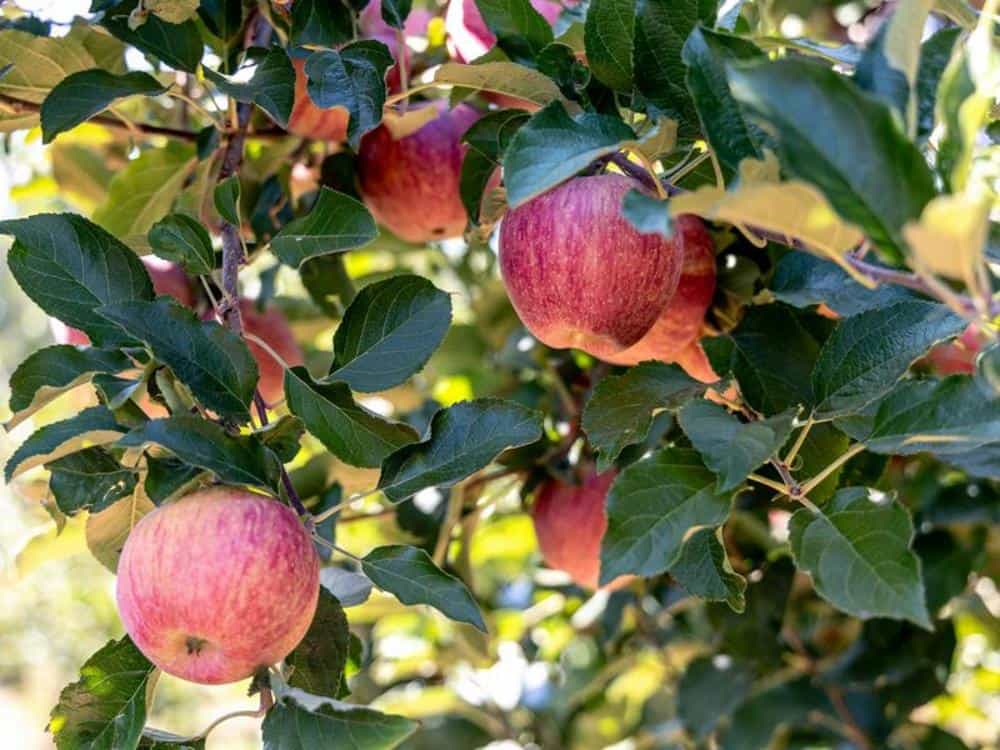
(272, 328)
(579, 274)
(309, 121)
(411, 185)
(218, 584)
(957, 357)
(674, 336)
(570, 522)
(168, 279)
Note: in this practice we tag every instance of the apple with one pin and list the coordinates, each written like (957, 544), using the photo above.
(309, 121)
(674, 336)
(411, 184)
(218, 584)
(957, 357)
(168, 279)
(271, 327)
(570, 521)
(579, 274)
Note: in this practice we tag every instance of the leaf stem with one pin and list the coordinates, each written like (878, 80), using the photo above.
(776, 486)
(815, 481)
(800, 440)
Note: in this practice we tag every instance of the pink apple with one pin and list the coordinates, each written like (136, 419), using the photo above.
(957, 357)
(168, 279)
(570, 521)
(218, 584)
(579, 274)
(411, 185)
(674, 336)
(309, 121)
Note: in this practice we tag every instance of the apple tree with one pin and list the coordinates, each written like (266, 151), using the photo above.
(640, 354)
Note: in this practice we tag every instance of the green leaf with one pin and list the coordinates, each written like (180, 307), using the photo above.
(352, 78)
(178, 45)
(463, 439)
(710, 689)
(349, 431)
(270, 84)
(620, 411)
(731, 448)
(661, 27)
(317, 663)
(608, 36)
(106, 708)
(521, 31)
(706, 54)
(90, 479)
(156, 739)
(389, 332)
(227, 199)
(552, 147)
(93, 426)
(823, 442)
(145, 190)
(70, 267)
(234, 459)
(337, 222)
(703, 569)
(333, 726)
(647, 213)
(501, 77)
(825, 127)
(790, 704)
(82, 95)
(857, 552)
(320, 23)
(651, 506)
(394, 12)
(488, 138)
(867, 353)
(168, 477)
(211, 360)
(48, 373)
(182, 239)
(409, 574)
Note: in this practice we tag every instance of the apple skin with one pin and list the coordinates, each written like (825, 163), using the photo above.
(957, 357)
(579, 274)
(570, 521)
(674, 336)
(168, 279)
(218, 584)
(309, 121)
(411, 185)
(270, 326)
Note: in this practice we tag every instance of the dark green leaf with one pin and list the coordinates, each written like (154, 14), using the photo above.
(823, 442)
(227, 199)
(93, 426)
(211, 360)
(857, 552)
(352, 78)
(106, 708)
(703, 570)
(488, 138)
(389, 332)
(179, 45)
(552, 147)
(155, 739)
(709, 690)
(934, 56)
(234, 459)
(317, 663)
(50, 372)
(394, 12)
(336, 223)
(824, 128)
(167, 477)
(70, 267)
(706, 54)
(661, 28)
(521, 31)
(946, 563)
(351, 589)
(789, 704)
(271, 85)
(82, 95)
(621, 408)
(184, 240)
(409, 574)
(651, 506)
(647, 213)
(876, 74)
(90, 479)
(608, 37)
(333, 726)
(463, 439)
(729, 447)
(320, 23)
(348, 430)
(223, 18)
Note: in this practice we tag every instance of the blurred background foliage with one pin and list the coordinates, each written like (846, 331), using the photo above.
(558, 668)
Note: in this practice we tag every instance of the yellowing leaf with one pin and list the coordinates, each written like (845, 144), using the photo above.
(902, 46)
(501, 78)
(950, 237)
(659, 141)
(107, 531)
(403, 124)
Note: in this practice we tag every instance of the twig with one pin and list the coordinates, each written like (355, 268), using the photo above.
(266, 701)
(456, 500)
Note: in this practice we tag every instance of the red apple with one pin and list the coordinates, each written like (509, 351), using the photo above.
(957, 357)
(218, 584)
(272, 328)
(674, 336)
(309, 121)
(579, 274)
(411, 185)
(168, 279)
(570, 522)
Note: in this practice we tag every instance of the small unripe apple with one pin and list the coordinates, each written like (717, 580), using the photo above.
(218, 584)
(674, 336)
(272, 328)
(411, 184)
(579, 274)
(570, 521)
(309, 121)
(168, 279)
